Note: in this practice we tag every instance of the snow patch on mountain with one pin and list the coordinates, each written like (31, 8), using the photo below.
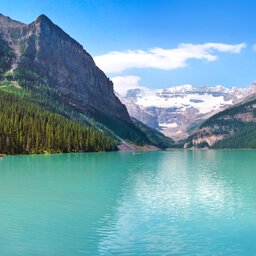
(168, 125)
(175, 110)
(184, 101)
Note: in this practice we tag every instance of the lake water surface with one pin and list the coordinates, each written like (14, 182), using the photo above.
(154, 203)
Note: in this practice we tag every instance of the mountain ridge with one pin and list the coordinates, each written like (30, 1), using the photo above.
(177, 111)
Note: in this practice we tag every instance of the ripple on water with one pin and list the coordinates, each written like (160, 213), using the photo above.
(155, 203)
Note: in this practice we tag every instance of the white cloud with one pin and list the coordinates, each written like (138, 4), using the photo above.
(166, 59)
(254, 47)
(124, 83)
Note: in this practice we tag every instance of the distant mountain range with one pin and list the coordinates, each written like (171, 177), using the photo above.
(48, 72)
(178, 111)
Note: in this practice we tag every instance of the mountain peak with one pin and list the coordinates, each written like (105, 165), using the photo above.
(43, 19)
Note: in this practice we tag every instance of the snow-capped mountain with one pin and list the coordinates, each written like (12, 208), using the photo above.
(177, 111)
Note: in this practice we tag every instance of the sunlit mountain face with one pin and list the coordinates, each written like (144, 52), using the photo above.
(177, 111)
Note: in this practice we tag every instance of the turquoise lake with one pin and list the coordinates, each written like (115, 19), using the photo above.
(153, 203)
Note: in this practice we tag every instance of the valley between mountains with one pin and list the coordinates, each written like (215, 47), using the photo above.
(53, 99)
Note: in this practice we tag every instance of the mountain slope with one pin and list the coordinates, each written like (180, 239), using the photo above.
(177, 111)
(46, 50)
(234, 127)
(56, 73)
(154, 136)
(27, 128)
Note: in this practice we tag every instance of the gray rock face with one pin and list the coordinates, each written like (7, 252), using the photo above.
(11, 32)
(147, 117)
(178, 111)
(44, 48)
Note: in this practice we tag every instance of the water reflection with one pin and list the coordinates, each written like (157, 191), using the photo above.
(155, 203)
(185, 203)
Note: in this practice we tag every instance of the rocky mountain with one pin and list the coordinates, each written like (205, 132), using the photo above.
(234, 127)
(178, 111)
(42, 47)
(62, 77)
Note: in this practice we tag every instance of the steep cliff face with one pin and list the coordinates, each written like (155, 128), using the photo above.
(9, 31)
(134, 110)
(234, 127)
(44, 48)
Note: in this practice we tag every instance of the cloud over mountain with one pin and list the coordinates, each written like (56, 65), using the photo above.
(165, 59)
(124, 83)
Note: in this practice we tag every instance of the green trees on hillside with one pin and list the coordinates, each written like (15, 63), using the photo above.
(35, 117)
(238, 132)
(27, 128)
(244, 137)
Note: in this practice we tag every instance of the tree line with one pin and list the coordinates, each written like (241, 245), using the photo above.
(27, 128)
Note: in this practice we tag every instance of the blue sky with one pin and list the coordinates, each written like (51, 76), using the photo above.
(179, 31)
